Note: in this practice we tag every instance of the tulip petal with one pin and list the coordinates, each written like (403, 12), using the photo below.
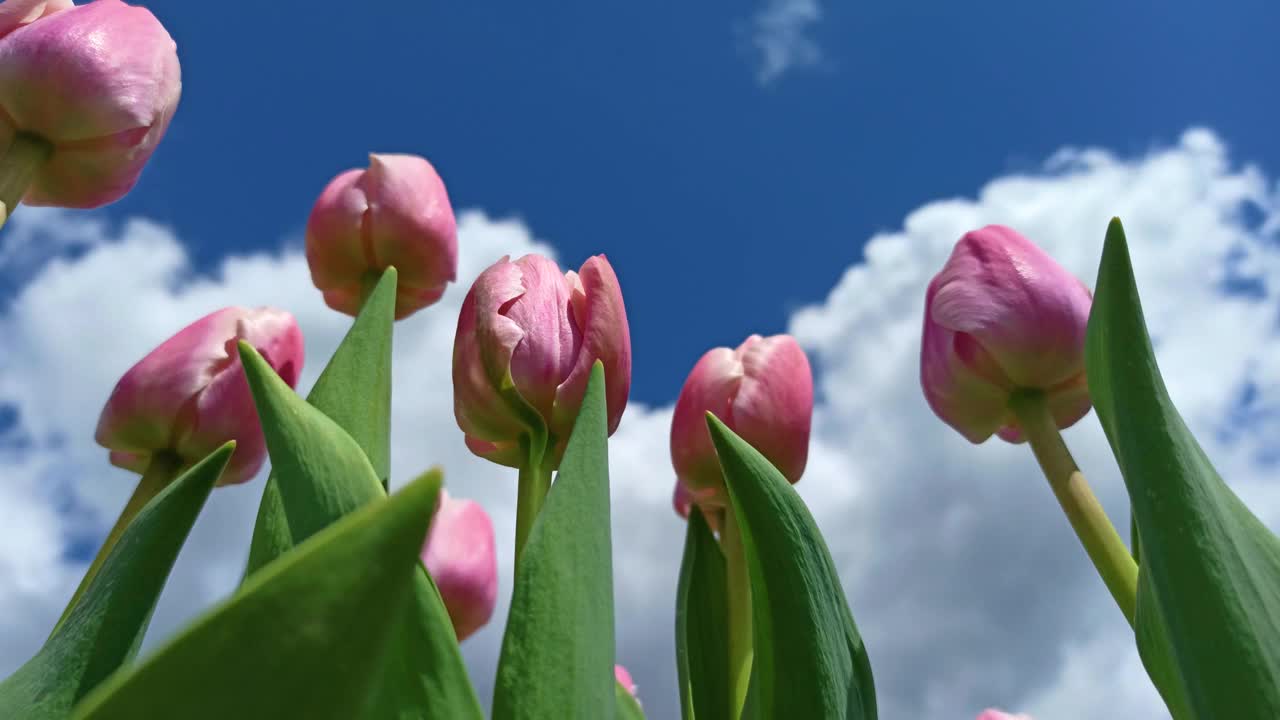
(411, 226)
(710, 387)
(1021, 305)
(460, 555)
(600, 313)
(545, 355)
(774, 403)
(100, 82)
(482, 351)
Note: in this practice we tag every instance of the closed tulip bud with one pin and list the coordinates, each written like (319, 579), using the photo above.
(18, 13)
(190, 395)
(527, 338)
(624, 679)
(97, 83)
(460, 555)
(1003, 316)
(991, 714)
(396, 212)
(763, 391)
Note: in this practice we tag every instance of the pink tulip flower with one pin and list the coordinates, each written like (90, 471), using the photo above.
(527, 338)
(1003, 316)
(992, 714)
(396, 212)
(190, 395)
(461, 557)
(98, 83)
(18, 13)
(763, 391)
(624, 679)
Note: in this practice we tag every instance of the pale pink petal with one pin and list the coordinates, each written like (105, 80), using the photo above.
(482, 350)
(100, 82)
(16, 13)
(550, 341)
(773, 408)
(599, 311)
(624, 679)
(710, 387)
(411, 226)
(461, 556)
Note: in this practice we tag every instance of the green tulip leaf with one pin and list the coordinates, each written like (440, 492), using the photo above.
(105, 628)
(355, 392)
(628, 707)
(1208, 627)
(702, 632)
(810, 661)
(322, 475)
(307, 637)
(557, 653)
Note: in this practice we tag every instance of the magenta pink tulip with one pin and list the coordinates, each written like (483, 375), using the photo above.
(1003, 316)
(624, 679)
(763, 391)
(461, 557)
(527, 338)
(19, 13)
(396, 212)
(190, 395)
(99, 83)
(991, 714)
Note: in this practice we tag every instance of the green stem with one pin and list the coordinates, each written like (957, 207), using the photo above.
(535, 482)
(18, 167)
(1101, 541)
(741, 644)
(163, 470)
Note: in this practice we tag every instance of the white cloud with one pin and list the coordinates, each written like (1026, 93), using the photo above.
(964, 577)
(780, 39)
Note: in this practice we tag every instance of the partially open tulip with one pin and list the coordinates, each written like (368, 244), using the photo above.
(190, 395)
(1003, 316)
(396, 212)
(461, 557)
(624, 679)
(763, 391)
(98, 83)
(17, 13)
(527, 338)
(991, 714)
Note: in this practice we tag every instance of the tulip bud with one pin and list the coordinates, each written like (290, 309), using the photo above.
(527, 338)
(992, 714)
(98, 83)
(459, 553)
(1003, 316)
(397, 213)
(624, 679)
(18, 13)
(763, 391)
(190, 395)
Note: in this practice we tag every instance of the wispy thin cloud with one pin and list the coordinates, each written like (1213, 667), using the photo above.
(779, 35)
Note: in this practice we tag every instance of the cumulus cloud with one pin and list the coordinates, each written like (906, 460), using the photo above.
(779, 36)
(966, 581)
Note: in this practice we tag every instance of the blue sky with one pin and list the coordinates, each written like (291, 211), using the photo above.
(813, 189)
(645, 131)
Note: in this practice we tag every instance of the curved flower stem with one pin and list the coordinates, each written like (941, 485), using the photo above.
(164, 468)
(1101, 541)
(535, 482)
(738, 579)
(18, 167)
